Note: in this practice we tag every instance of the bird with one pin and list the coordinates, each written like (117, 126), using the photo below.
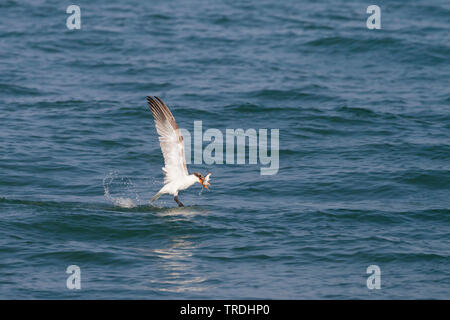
(176, 175)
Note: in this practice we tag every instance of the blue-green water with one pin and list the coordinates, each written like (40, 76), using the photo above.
(364, 176)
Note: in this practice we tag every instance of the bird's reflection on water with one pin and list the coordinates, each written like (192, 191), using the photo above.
(180, 273)
(176, 270)
(182, 212)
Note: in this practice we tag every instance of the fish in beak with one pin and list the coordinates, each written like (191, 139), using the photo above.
(206, 180)
(203, 183)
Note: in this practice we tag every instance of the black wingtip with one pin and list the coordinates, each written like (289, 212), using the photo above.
(151, 101)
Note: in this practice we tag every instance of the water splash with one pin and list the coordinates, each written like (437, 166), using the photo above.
(121, 191)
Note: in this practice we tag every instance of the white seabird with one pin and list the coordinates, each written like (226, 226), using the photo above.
(176, 176)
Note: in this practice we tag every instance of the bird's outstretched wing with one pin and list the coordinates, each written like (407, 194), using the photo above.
(170, 139)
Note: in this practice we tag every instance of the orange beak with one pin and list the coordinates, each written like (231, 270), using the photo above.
(204, 184)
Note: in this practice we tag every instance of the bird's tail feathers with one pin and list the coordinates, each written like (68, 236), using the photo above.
(156, 196)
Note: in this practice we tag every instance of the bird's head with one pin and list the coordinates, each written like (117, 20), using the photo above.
(204, 181)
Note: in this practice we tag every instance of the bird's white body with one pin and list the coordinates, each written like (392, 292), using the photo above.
(180, 184)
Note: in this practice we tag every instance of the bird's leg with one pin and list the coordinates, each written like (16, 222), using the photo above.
(178, 201)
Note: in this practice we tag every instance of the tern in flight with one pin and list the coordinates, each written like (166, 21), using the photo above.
(176, 176)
